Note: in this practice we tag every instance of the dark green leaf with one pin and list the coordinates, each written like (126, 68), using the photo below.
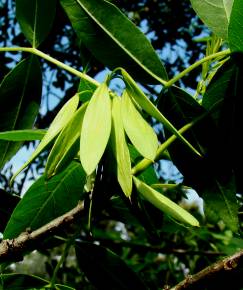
(114, 39)
(63, 287)
(46, 200)
(215, 14)
(7, 205)
(21, 282)
(85, 90)
(236, 27)
(20, 95)
(105, 269)
(35, 18)
(22, 135)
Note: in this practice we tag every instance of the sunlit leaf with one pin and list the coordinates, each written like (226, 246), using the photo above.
(120, 148)
(22, 135)
(20, 96)
(164, 203)
(96, 129)
(46, 200)
(215, 14)
(61, 119)
(114, 40)
(138, 130)
(66, 145)
(35, 18)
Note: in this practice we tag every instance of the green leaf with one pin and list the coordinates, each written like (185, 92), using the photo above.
(137, 94)
(236, 27)
(21, 282)
(215, 14)
(105, 269)
(96, 129)
(35, 18)
(20, 96)
(22, 135)
(63, 287)
(120, 149)
(7, 205)
(114, 39)
(138, 130)
(61, 119)
(85, 90)
(66, 145)
(165, 204)
(46, 200)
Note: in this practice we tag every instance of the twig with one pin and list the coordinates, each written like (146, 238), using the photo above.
(204, 277)
(13, 250)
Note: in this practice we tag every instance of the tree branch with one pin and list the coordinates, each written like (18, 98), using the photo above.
(219, 269)
(12, 250)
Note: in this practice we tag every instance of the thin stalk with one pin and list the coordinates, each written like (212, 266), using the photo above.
(52, 60)
(195, 65)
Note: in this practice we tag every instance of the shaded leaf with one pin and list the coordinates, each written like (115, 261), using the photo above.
(22, 135)
(66, 145)
(138, 130)
(96, 129)
(215, 14)
(35, 18)
(63, 287)
(21, 282)
(85, 90)
(46, 200)
(20, 96)
(114, 40)
(236, 27)
(61, 119)
(120, 149)
(164, 203)
(135, 92)
(105, 269)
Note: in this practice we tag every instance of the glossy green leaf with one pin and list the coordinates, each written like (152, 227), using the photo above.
(105, 269)
(215, 14)
(96, 129)
(35, 18)
(236, 27)
(66, 145)
(21, 282)
(22, 135)
(114, 39)
(137, 94)
(20, 96)
(120, 149)
(164, 203)
(46, 200)
(61, 119)
(138, 130)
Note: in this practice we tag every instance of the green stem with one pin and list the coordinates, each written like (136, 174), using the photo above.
(195, 65)
(52, 60)
(145, 163)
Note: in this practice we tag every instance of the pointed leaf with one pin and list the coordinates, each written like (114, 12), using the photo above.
(66, 145)
(114, 39)
(105, 269)
(164, 203)
(236, 27)
(21, 282)
(61, 119)
(46, 200)
(35, 18)
(96, 129)
(20, 96)
(215, 14)
(120, 149)
(22, 135)
(135, 92)
(138, 130)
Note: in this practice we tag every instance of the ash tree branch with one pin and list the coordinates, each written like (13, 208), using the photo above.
(217, 271)
(13, 250)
